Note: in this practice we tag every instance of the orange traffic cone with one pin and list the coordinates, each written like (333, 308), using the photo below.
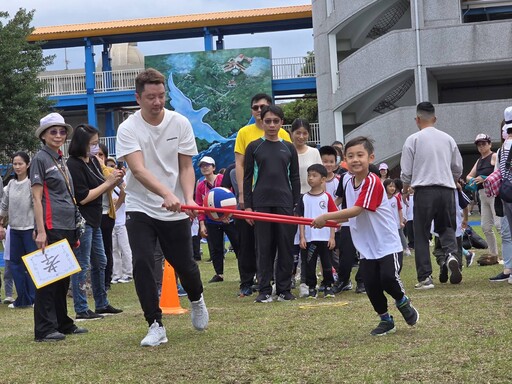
(169, 300)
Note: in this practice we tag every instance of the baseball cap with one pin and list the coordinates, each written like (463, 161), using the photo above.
(482, 137)
(383, 166)
(207, 160)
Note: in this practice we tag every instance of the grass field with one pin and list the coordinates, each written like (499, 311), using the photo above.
(463, 336)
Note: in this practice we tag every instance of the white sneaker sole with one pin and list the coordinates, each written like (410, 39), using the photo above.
(154, 344)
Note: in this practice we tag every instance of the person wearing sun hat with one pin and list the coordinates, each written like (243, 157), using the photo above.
(54, 211)
(482, 168)
(53, 119)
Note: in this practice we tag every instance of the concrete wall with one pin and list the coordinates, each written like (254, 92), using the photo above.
(463, 121)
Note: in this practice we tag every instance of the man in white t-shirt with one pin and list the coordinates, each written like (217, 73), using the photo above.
(374, 235)
(158, 145)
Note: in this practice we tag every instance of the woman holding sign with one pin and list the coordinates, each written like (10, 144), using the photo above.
(54, 213)
(17, 205)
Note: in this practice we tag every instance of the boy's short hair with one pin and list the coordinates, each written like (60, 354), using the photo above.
(318, 168)
(149, 76)
(399, 184)
(361, 140)
(328, 150)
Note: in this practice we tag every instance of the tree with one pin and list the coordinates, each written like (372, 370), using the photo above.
(307, 106)
(21, 103)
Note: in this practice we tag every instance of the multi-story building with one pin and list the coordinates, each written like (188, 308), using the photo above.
(376, 59)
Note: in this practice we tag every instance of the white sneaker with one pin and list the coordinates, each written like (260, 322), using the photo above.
(124, 279)
(303, 290)
(8, 300)
(199, 314)
(156, 336)
(407, 252)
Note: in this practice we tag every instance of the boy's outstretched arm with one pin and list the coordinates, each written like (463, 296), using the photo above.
(339, 216)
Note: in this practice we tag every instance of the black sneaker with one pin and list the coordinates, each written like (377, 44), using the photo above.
(500, 277)
(76, 331)
(285, 296)
(321, 288)
(328, 292)
(312, 294)
(216, 279)
(385, 327)
(453, 265)
(443, 273)
(108, 310)
(88, 315)
(54, 336)
(340, 287)
(410, 314)
(470, 257)
(360, 288)
(263, 298)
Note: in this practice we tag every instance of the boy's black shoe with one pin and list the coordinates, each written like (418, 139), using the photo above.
(360, 288)
(341, 286)
(385, 327)
(88, 315)
(263, 298)
(216, 279)
(328, 292)
(285, 296)
(410, 314)
(312, 294)
(108, 310)
(54, 336)
(443, 273)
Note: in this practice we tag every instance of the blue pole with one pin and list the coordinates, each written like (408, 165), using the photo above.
(106, 67)
(89, 82)
(208, 39)
(109, 124)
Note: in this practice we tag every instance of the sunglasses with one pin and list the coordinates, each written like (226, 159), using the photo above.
(272, 121)
(54, 132)
(258, 107)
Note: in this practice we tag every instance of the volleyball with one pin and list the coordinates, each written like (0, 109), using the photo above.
(219, 198)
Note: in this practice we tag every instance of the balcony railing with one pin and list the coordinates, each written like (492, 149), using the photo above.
(122, 80)
(292, 67)
(110, 141)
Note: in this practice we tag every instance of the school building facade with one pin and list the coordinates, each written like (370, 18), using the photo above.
(376, 59)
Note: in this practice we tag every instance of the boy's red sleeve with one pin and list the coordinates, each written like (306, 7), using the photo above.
(399, 202)
(331, 206)
(371, 194)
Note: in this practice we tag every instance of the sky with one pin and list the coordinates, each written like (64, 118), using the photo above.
(60, 12)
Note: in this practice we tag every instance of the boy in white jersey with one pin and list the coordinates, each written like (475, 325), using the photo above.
(370, 220)
(317, 242)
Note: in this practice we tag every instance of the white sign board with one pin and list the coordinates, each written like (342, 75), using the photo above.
(57, 262)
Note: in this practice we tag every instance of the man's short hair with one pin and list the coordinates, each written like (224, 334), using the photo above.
(425, 110)
(148, 76)
(260, 96)
(318, 168)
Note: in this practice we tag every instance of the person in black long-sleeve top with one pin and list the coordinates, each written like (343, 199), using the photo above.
(272, 185)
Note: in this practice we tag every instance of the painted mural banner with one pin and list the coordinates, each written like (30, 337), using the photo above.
(213, 90)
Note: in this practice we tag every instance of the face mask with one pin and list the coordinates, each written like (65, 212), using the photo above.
(94, 150)
(338, 159)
